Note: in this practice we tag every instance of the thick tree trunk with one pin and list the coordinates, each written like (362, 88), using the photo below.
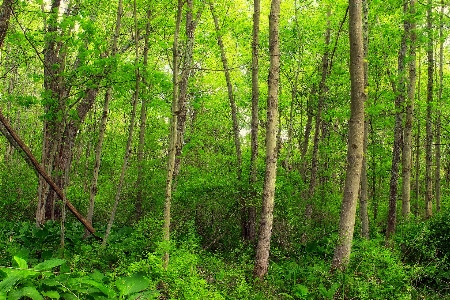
(398, 128)
(429, 133)
(265, 229)
(407, 136)
(6, 10)
(355, 139)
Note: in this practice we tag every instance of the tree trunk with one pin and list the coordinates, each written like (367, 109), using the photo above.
(407, 136)
(234, 118)
(143, 117)
(437, 174)
(429, 133)
(363, 210)
(398, 127)
(265, 229)
(103, 121)
(250, 233)
(355, 139)
(173, 133)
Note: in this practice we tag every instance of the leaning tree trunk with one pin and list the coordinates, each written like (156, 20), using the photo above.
(355, 139)
(265, 229)
(429, 134)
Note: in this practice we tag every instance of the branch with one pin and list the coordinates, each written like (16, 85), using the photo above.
(15, 141)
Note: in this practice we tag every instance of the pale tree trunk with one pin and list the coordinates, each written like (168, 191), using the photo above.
(173, 133)
(183, 84)
(355, 139)
(437, 174)
(407, 136)
(363, 210)
(143, 117)
(429, 133)
(130, 131)
(398, 127)
(103, 121)
(265, 228)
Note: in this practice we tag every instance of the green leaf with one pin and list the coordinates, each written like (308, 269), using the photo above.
(49, 264)
(21, 263)
(69, 296)
(104, 289)
(28, 291)
(51, 294)
(9, 282)
(300, 291)
(132, 284)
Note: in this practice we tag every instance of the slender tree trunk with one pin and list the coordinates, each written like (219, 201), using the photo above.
(265, 229)
(130, 130)
(251, 209)
(173, 133)
(183, 84)
(363, 210)
(417, 185)
(429, 133)
(437, 174)
(398, 128)
(322, 95)
(140, 178)
(234, 118)
(103, 121)
(407, 136)
(355, 139)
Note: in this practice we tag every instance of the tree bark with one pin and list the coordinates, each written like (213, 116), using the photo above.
(250, 233)
(6, 9)
(355, 139)
(265, 229)
(398, 127)
(363, 206)
(437, 174)
(173, 133)
(410, 28)
(429, 133)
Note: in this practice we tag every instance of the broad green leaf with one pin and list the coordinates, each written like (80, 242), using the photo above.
(21, 263)
(104, 289)
(145, 295)
(69, 296)
(51, 294)
(2, 295)
(28, 291)
(132, 284)
(9, 282)
(49, 264)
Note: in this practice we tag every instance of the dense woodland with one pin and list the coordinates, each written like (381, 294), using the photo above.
(212, 149)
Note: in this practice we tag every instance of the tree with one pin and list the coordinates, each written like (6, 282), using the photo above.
(265, 229)
(355, 138)
(429, 133)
